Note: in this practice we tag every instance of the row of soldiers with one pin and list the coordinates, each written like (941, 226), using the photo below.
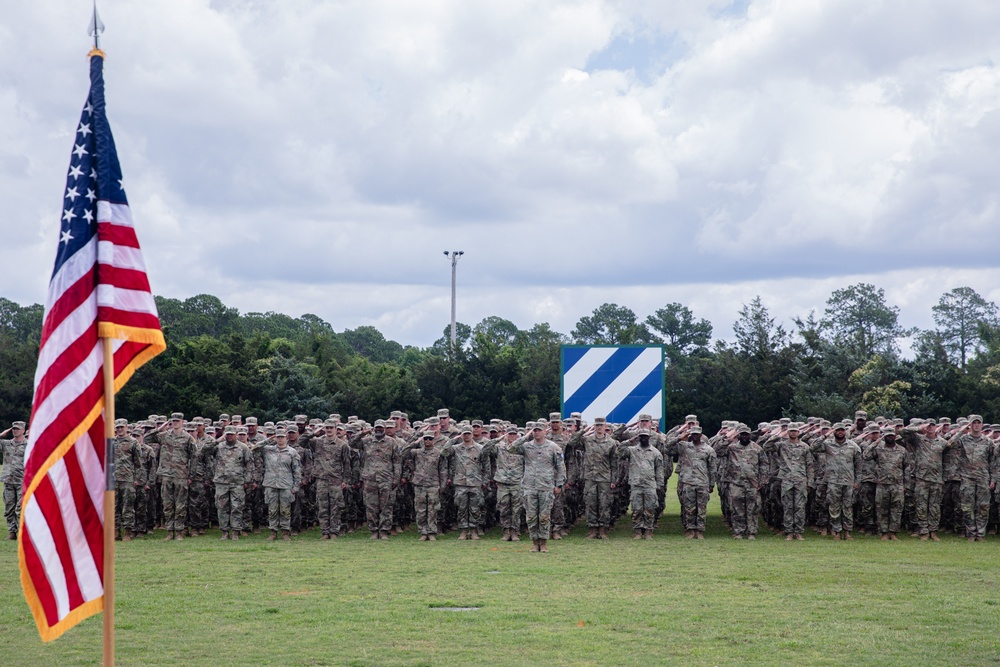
(471, 476)
(883, 477)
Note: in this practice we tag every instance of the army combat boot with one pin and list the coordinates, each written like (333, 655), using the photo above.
(542, 546)
(592, 534)
(235, 537)
(126, 536)
(170, 536)
(534, 546)
(286, 536)
(474, 535)
(225, 535)
(515, 535)
(273, 536)
(464, 535)
(602, 533)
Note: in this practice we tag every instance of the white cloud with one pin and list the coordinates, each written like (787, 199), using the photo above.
(306, 156)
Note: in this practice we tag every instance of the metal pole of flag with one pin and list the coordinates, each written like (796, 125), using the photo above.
(108, 621)
(109, 504)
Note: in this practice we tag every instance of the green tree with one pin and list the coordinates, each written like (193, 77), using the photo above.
(859, 319)
(960, 315)
(680, 332)
(611, 324)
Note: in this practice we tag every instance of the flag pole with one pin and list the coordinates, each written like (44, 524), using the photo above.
(109, 504)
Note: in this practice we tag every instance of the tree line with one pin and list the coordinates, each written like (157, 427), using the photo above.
(275, 366)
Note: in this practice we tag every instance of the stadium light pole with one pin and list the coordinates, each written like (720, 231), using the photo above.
(453, 255)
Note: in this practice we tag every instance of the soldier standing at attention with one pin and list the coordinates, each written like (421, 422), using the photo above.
(645, 476)
(282, 480)
(928, 476)
(890, 472)
(600, 466)
(12, 452)
(381, 467)
(696, 468)
(794, 461)
(843, 465)
(468, 473)
(331, 462)
(544, 475)
(746, 472)
(176, 452)
(509, 471)
(127, 460)
(428, 463)
(232, 473)
(976, 461)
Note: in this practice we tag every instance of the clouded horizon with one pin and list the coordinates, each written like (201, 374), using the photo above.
(319, 156)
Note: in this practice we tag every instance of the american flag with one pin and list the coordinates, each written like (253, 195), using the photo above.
(98, 289)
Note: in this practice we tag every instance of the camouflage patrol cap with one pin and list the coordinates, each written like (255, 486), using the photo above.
(229, 430)
(975, 418)
(825, 423)
(333, 416)
(118, 423)
(379, 423)
(429, 435)
(477, 422)
(404, 416)
(352, 419)
(535, 426)
(251, 421)
(177, 416)
(839, 426)
(432, 421)
(794, 426)
(742, 428)
(330, 423)
(493, 428)
(242, 430)
(812, 420)
(644, 417)
(785, 421)
(466, 429)
(871, 428)
(693, 429)
(762, 425)
(237, 419)
(224, 417)
(888, 430)
(442, 412)
(512, 428)
(268, 429)
(690, 418)
(555, 416)
(340, 427)
(896, 422)
(190, 427)
(917, 421)
(280, 433)
(395, 414)
(418, 424)
(944, 420)
(301, 419)
(860, 414)
(576, 415)
(600, 420)
(931, 421)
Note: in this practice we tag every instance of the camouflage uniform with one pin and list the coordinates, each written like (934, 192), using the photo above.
(951, 502)
(794, 463)
(544, 470)
(560, 520)
(176, 452)
(890, 472)
(468, 469)
(645, 477)
(381, 466)
(282, 480)
(429, 475)
(746, 471)
(508, 474)
(197, 515)
(127, 460)
(331, 465)
(696, 471)
(142, 476)
(975, 465)
(600, 466)
(232, 473)
(843, 466)
(300, 509)
(928, 476)
(12, 478)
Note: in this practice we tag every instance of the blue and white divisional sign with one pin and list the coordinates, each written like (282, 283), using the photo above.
(619, 382)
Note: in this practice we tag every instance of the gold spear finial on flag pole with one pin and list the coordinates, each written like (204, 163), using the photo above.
(94, 30)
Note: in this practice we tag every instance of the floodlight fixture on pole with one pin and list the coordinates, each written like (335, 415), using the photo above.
(453, 255)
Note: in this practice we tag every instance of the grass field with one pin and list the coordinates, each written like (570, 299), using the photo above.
(618, 602)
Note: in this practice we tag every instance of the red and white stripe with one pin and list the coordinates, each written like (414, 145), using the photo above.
(61, 538)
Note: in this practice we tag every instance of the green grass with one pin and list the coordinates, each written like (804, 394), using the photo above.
(620, 602)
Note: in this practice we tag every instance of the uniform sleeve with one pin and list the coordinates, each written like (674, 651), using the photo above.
(296, 471)
(713, 466)
(658, 464)
(560, 468)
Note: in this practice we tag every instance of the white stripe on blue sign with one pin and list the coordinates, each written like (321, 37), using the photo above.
(618, 383)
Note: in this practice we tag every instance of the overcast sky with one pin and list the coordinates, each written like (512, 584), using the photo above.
(305, 156)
